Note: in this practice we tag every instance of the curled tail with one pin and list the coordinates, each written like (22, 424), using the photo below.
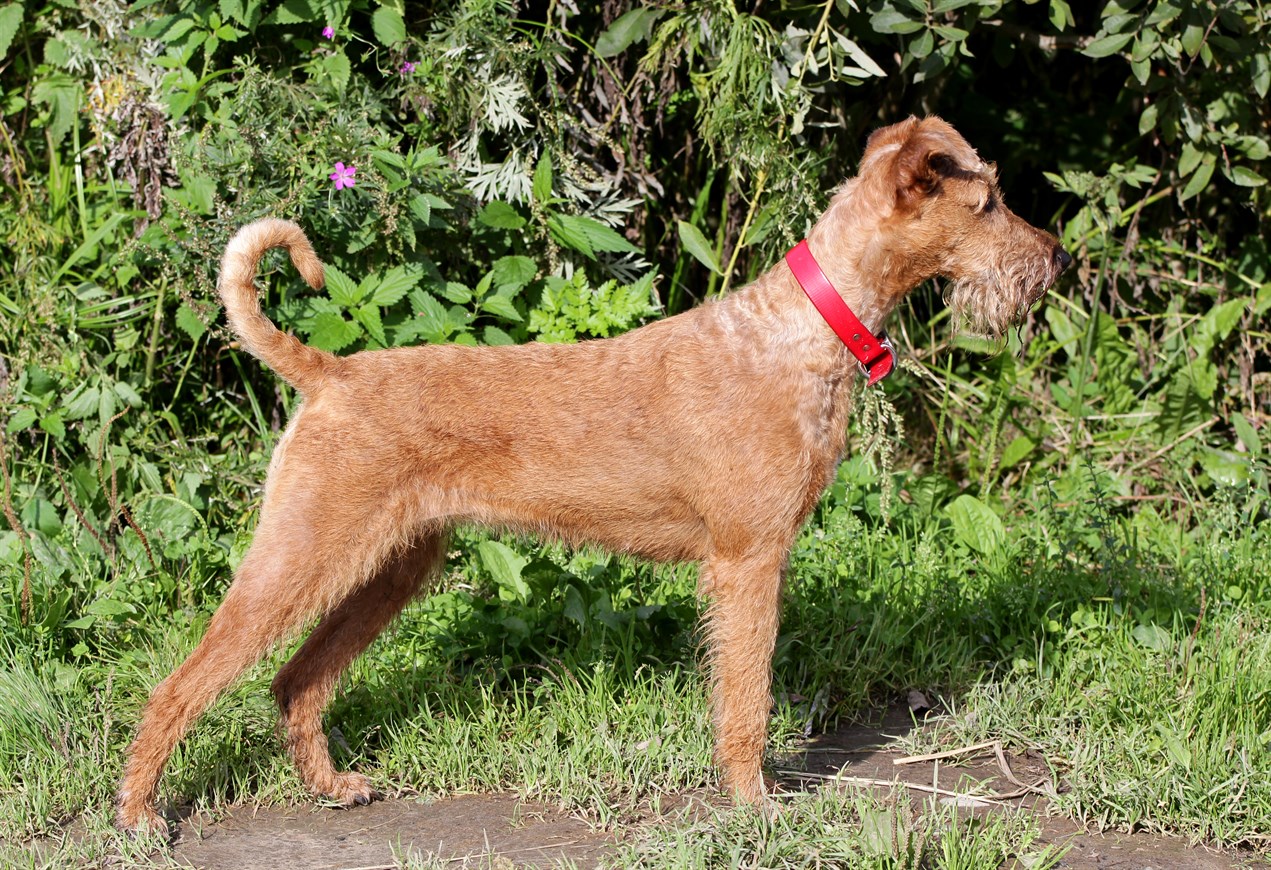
(299, 365)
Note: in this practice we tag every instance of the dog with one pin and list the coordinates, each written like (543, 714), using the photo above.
(707, 437)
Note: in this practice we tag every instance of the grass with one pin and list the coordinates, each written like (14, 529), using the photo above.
(844, 829)
(1139, 667)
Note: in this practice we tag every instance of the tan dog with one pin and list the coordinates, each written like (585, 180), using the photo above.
(704, 437)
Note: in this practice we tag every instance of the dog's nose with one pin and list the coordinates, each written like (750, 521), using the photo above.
(1063, 258)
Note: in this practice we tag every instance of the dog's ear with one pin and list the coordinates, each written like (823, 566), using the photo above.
(920, 167)
(894, 134)
(917, 155)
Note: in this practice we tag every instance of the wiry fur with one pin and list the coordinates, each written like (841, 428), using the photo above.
(708, 436)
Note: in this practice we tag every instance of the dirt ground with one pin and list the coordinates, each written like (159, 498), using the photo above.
(858, 753)
(500, 830)
(476, 829)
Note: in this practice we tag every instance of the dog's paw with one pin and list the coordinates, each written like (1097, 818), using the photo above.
(352, 790)
(140, 819)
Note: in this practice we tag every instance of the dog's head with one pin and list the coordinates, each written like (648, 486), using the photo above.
(945, 217)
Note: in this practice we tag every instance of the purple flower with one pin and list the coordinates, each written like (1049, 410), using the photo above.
(328, 32)
(407, 68)
(343, 176)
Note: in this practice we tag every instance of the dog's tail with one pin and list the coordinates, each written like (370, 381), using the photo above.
(299, 365)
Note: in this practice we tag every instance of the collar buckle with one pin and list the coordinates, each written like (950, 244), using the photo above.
(881, 366)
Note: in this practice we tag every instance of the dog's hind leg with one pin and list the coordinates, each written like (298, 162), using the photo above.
(296, 568)
(741, 633)
(305, 684)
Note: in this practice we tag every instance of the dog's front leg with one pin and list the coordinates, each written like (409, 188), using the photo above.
(741, 631)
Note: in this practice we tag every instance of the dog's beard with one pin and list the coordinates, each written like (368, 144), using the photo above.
(990, 303)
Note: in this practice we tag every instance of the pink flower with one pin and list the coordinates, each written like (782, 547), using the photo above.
(328, 32)
(343, 176)
(407, 68)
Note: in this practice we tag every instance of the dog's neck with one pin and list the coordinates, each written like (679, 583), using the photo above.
(846, 243)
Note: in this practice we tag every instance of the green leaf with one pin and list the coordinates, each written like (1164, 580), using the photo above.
(420, 208)
(1147, 121)
(127, 394)
(10, 21)
(542, 185)
(61, 94)
(599, 237)
(189, 322)
(52, 424)
(294, 12)
(514, 271)
(431, 315)
(388, 26)
(570, 236)
(1152, 637)
(1246, 433)
(505, 566)
(1106, 45)
(109, 607)
(495, 337)
(341, 289)
(1200, 178)
(395, 284)
(1061, 14)
(1246, 177)
(1189, 159)
(501, 216)
(953, 34)
(1193, 38)
(975, 524)
(81, 403)
(23, 418)
(1165, 11)
(893, 21)
(695, 243)
(337, 67)
(452, 291)
(369, 316)
(1261, 73)
(1222, 319)
(332, 332)
(1017, 450)
(575, 607)
(866, 64)
(501, 306)
(633, 26)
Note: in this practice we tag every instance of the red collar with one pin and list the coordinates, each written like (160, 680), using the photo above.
(876, 355)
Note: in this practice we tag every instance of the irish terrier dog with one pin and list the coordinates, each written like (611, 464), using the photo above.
(708, 437)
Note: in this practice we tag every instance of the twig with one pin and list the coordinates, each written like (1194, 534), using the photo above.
(1003, 765)
(1177, 441)
(966, 750)
(992, 798)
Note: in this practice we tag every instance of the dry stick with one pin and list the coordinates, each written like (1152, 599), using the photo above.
(996, 746)
(991, 798)
(965, 750)
(12, 517)
(1177, 441)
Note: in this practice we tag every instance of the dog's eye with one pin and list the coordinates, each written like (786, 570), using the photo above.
(989, 204)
